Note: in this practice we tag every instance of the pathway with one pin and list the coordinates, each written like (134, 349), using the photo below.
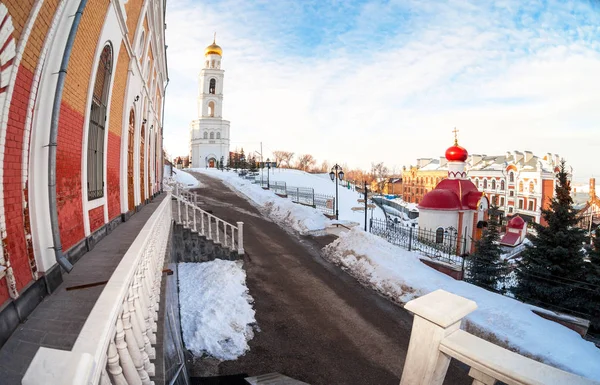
(317, 324)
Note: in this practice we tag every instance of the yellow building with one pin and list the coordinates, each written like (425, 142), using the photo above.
(422, 178)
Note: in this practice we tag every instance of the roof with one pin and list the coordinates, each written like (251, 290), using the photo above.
(510, 239)
(516, 223)
(452, 194)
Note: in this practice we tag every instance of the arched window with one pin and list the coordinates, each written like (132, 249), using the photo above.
(206, 135)
(218, 135)
(213, 64)
(477, 182)
(493, 184)
(211, 109)
(501, 185)
(212, 87)
(511, 176)
(531, 187)
(207, 64)
(521, 186)
(95, 150)
(439, 235)
(485, 184)
(212, 135)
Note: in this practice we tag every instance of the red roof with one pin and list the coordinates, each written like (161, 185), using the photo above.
(510, 239)
(516, 223)
(456, 153)
(452, 194)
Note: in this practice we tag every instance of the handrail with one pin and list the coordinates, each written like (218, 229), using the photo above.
(116, 342)
(436, 330)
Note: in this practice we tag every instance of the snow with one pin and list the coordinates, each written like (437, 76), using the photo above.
(216, 310)
(399, 275)
(182, 177)
(301, 218)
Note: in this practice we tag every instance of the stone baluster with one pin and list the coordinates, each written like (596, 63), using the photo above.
(437, 315)
(208, 235)
(137, 332)
(194, 212)
(141, 317)
(217, 220)
(187, 220)
(112, 362)
(134, 350)
(480, 378)
(178, 210)
(129, 371)
(240, 226)
(202, 221)
(225, 225)
(104, 380)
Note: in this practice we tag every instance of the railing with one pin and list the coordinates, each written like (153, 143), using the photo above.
(436, 338)
(445, 246)
(206, 224)
(115, 345)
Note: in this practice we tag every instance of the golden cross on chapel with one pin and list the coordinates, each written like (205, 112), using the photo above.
(455, 136)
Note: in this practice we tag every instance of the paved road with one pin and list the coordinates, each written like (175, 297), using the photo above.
(317, 324)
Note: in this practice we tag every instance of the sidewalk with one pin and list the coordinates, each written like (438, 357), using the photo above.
(57, 321)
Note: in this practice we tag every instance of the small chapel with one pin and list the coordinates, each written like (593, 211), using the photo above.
(209, 134)
(455, 204)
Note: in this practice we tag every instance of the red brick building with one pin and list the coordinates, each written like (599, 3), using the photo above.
(81, 93)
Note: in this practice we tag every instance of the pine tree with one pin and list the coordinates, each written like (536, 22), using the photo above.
(551, 271)
(253, 167)
(486, 268)
(593, 279)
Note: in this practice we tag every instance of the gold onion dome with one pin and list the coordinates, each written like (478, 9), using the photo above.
(213, 49)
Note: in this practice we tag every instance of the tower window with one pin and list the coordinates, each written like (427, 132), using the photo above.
(95, 152)
(206, 135)
(212, 86)
(218, 135)
(207, 64)
(501, 185)
(511, 177)
(212, 135)
(211, 109)
(531, 187)
(493, 184)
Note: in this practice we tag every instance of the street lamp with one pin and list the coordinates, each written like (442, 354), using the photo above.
(206, 161)
(268, 172)
(336, 174)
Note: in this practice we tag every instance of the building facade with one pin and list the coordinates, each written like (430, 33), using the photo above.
(81, 91)
(420, 179)
(589, 214)
(517, 182)
(209, 134)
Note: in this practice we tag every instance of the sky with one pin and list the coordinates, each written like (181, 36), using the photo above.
(358, 82)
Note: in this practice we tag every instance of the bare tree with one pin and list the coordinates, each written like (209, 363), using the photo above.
(305, 161)
(381, 174)
(283, 157)
(324, 166)
(279, 157)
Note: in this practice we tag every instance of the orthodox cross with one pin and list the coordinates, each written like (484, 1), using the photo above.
(455, 136)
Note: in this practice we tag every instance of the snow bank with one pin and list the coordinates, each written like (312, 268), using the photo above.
(301, 218)
(399, 275)
(182, 177)
(216, 310)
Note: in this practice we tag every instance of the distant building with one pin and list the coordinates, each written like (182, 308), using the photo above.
(388, 186)
(589, 213)
(422, 178)
(209, 134)
(455, 205)
(515, 232)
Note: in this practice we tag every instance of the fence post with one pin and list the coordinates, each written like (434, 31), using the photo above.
(410, 239)
(297, 194)
(437, 315)
(313, 203)
(240, 226)
(179, 210)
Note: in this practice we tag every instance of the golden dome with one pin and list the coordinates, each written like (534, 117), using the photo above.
(213, 49)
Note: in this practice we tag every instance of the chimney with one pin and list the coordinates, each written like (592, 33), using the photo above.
(443, 161)
(528, 156)
(518, 156)
(592, 189)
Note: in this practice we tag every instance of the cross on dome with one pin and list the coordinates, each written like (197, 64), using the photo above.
(455, 136)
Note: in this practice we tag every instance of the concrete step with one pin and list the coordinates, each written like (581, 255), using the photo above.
(273, 379)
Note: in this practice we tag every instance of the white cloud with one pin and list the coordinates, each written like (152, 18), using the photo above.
(391, 80)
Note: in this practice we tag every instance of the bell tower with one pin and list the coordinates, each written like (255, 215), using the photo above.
(210, 133)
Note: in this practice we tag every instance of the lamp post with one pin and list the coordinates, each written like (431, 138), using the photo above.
(336, 175)
(268, 172)
(206, 161)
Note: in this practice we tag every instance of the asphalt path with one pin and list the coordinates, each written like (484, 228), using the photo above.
(317, 324)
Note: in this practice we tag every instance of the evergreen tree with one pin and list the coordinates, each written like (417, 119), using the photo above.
(551, 271)
(486, 268)
(253, 167)
(593, 278)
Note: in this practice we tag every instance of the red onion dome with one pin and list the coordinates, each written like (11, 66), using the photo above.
(456, 153)
(516, 223)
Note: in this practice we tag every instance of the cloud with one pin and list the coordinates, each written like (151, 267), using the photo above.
(359, 82)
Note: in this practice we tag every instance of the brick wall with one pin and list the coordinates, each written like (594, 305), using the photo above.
(547, 194)
(96, 218)
(113, 176)
(133, 9)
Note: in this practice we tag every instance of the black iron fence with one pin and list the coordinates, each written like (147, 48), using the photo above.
(442, 244)
(410, 214)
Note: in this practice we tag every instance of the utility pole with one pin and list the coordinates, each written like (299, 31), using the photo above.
(365, 187)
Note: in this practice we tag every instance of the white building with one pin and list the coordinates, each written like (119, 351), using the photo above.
(209, 134)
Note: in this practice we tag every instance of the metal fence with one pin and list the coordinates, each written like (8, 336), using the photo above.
(325, 203)
(443, 244)
(410, 214)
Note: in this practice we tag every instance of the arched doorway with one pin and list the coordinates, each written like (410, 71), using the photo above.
(142, 153)
(131, 138)
(212, 162)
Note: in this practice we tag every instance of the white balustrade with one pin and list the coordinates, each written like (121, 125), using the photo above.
(210, 225)
(436, 337)
(115, 344)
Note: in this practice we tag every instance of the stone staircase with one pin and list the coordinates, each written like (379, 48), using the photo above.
(189, 246)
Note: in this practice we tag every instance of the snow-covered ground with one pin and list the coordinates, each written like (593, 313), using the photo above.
(277, 206)
(399, 275)
(301, 218)
(216, 310)
(182, 177)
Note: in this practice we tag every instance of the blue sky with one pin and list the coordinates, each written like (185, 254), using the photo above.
(369, 81)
